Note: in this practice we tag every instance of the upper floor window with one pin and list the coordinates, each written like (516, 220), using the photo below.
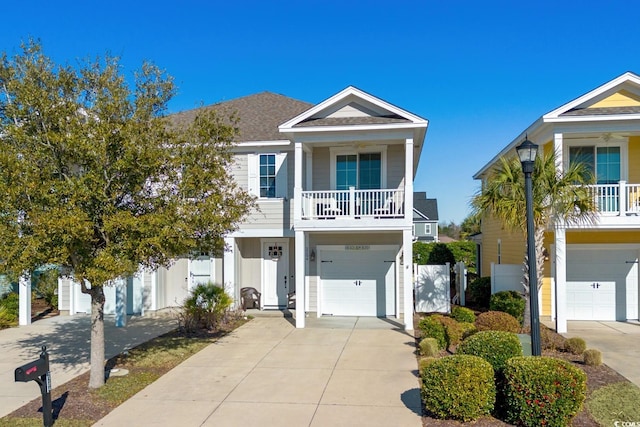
(268, 175)
(603, 162)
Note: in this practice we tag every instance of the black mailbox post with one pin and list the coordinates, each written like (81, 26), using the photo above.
(38, 371)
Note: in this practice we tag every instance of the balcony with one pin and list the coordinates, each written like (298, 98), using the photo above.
(619, 199)
(352, 204)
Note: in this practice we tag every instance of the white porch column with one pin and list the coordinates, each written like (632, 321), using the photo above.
(229, 269)
(407, 256)
(408, 181)
(561, 280)
(557, 147)
(300, 243)
(297, 186)
(24, 299)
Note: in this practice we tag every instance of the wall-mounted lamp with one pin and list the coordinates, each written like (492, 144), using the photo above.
(312, 255)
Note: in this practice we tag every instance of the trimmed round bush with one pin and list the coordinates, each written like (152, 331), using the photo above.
(460, 387)
(480, 291)
(542, 391)
(431, 327)
(429, 347)
(497, 321)
(424, 362)
(508, 302)
(468, 329)
(463, 314)
(575, 345)
(452, 330)
(496, 347)
(592, 357)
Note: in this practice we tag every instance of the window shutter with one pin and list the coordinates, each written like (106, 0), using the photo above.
(282, 183)
(253, 180)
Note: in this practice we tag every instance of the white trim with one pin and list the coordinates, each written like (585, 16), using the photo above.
(377, 127)
(276, 143)
(345, 93)
(627, 77)
(285, 256)
(342, 151)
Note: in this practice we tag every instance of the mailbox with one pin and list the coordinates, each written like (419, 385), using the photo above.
(38, 371)
(32, 370)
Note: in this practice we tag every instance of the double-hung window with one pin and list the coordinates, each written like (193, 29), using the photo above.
(267, 175)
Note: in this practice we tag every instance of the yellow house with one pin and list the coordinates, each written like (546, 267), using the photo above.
(590, 271)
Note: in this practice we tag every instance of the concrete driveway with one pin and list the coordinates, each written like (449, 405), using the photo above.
(619, 343)
(67, 340)
(335, 372)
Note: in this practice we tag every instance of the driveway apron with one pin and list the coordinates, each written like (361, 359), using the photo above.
(619, 343)
(336, 372)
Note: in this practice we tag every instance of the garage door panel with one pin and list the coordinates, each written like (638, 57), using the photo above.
(602, 284)
(358, 283)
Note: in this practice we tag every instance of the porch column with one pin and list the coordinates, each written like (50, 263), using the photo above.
(300, 243)
(557, 147)
(297, 186)
(24, 299)
(229, 269)
(408, 180)
(561, 280)
(407, 274)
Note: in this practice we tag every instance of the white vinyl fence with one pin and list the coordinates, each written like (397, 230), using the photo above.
(432, 286)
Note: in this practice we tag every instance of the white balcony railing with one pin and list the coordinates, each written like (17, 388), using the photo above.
(617, 199)
(352, 204)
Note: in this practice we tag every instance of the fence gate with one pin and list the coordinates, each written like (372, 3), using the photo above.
(432, 289)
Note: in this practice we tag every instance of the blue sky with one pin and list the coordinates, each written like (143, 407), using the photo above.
(479, 71)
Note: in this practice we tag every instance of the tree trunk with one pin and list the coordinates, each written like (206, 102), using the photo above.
(539, 243)
(96, 378)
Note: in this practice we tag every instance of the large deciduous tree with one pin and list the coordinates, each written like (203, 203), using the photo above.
(559, 197)
(95, 178)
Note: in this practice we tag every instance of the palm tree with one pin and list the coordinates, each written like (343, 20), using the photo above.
(558, 197)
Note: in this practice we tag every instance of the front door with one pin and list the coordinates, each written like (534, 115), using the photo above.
(275, 274)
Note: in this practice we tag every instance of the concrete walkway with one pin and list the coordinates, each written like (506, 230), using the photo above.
(67, 340)
(619, 343)
(336, 372)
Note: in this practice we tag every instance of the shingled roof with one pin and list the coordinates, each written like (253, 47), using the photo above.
(602, 111)
(259, 114)
(427, 207)
(341, 121)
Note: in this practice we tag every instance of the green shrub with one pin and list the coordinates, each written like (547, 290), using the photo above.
(497, 321)
(480, 291)
(496, 347)
(452, 330)
(549, 339)
(508, 302)
(468, 329)
(459, 387)
(592, 357)
(7, 319)
(205, 308)
(429, 347)
(11, 302)
(431, 327)
(47, 287)
(463, 314)
(575, 345)
(424, 362)
(542, 391)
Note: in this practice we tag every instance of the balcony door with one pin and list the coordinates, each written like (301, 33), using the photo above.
(362, 171)
(602, 162)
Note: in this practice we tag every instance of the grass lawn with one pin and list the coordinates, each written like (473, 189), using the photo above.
(75, 405)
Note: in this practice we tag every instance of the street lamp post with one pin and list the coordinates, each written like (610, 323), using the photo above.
(527, 152)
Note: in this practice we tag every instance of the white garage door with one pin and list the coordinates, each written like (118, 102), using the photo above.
(358, 282)
(602, 284)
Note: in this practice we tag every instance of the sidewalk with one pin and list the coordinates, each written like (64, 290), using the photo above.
(67, 340)
(336, 372)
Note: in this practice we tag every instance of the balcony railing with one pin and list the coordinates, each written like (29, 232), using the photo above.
(617, 199)
(352, 204)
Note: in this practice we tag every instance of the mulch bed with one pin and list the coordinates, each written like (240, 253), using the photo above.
(597, 377)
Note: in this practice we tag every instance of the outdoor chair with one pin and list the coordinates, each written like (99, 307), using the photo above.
(291, 299)
(250, 298)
